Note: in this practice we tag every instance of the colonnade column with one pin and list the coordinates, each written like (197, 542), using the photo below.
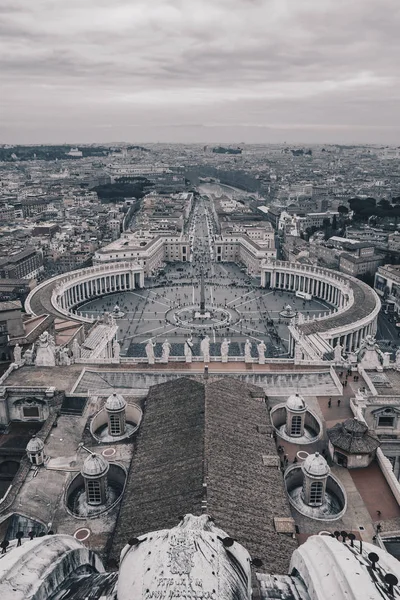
(351, 342)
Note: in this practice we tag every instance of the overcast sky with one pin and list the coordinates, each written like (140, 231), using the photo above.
(199, 71)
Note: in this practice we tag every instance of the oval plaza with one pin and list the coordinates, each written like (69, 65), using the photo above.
(353, 315)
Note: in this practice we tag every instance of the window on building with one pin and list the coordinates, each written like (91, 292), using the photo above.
(386, 421)
(115, 425)
(94, 493)
(31, 411)
(316, 492)
(296, 425)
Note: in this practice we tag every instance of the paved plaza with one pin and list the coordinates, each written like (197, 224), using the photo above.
(257, 312)
(236, 307)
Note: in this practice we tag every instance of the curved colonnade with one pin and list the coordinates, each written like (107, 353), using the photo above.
(356, 305)
(62, 294)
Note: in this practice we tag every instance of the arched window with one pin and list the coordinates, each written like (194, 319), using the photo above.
(296, 425)
(316, 490)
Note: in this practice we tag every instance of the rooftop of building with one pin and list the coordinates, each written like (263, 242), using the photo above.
(358, 260)
(138, 240)
(365, 301)
(392, 269)
(10, 305)
(203, 444)
(353, 437)
(386, 383)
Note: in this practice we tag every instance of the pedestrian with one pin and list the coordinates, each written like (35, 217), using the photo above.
(339, 401)
(329, 402)
(31, 535)
(379, 528)
(378, 512)
(4, 545)
(19, 536)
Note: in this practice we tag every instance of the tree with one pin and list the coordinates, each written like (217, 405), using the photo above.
(384, 204)
(343, 210)
(325, 223)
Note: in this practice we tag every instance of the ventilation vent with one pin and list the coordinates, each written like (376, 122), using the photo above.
(271, 460)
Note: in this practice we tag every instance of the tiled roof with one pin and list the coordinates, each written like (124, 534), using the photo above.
(353, 437)
(194, 434)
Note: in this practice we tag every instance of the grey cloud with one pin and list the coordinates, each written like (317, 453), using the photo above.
(331, 63)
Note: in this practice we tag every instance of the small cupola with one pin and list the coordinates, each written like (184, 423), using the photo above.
(35, 451)
(116, 414)
(315, 471)
(296, 409)
(94, 472)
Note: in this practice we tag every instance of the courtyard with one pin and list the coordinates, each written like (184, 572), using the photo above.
(254, 313)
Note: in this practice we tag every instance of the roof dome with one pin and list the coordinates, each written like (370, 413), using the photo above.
(353, 436)
(115, 402)
(315, 465)
(35, 444)
(94, 466)
(296, 402)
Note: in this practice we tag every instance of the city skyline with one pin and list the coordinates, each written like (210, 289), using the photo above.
(256, 71)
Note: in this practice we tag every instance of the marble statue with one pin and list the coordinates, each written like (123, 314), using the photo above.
(166, 350)
(17, 354)
(150, 352)
(370, 355)
(205, 349)
(398, 359)
(76, 349)
(386, 360)
(337, 353)
(46, 353)
(28, 355)
(108, 319)
(261, 348)
(188, 349)
(116, 349)
(247, 351)
(64, 359)
(51, 340)
(225, 350)
(300, 318)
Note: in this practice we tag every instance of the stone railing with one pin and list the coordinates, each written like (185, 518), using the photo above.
(336, 379)
(387, 470)
(10, 369)
(367, 380)
(199, 359)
